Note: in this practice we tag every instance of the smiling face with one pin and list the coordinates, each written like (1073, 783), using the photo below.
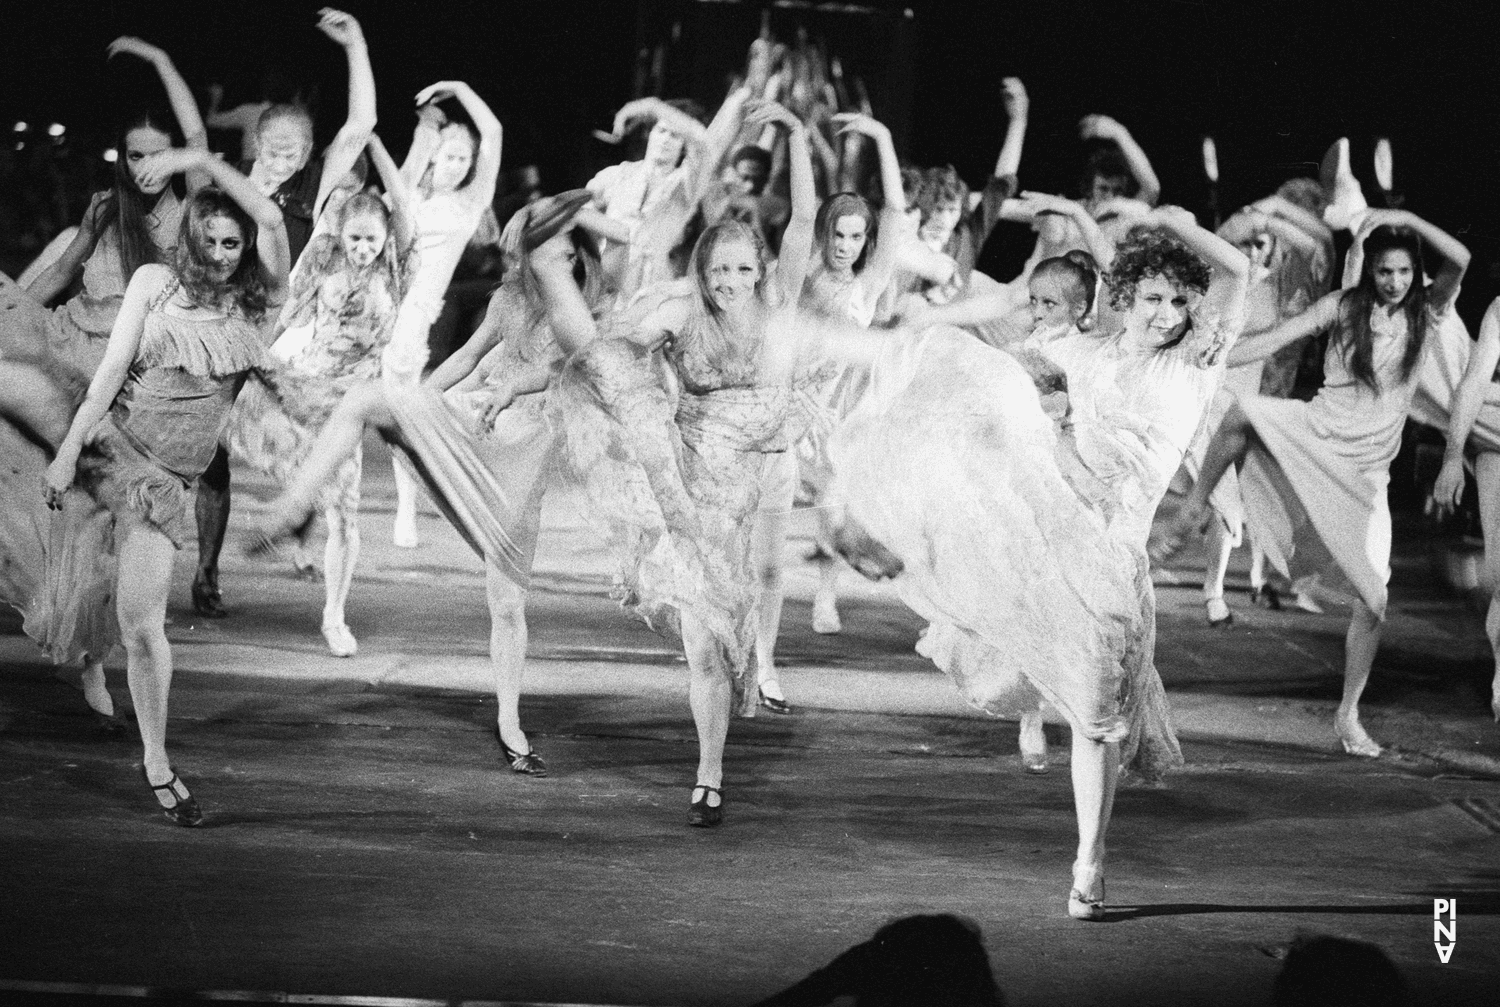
(663, 146)
(454, 158)
(284, 149)
(140, 142)
(1393, 272)
(847, 242)
(1159, 315)
(1051, 305)
(732, 271)
(222, 244)
(363, 236)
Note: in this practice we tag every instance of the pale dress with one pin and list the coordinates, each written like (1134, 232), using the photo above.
(1443, 365)
(1024, 545)
(443, 224)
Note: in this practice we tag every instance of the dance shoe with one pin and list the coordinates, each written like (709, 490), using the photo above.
(184, 809)
(701, 814)
(1082, 905)
(111, 725)
(776, 704)
(341, 642)
(207, 601)
(1218, 612)
(1266, 597)
(527, 764)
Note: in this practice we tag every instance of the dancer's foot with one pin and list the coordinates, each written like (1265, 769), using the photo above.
(1086, 900)
(404, 531)
(1033, 744)
(302, 564)
(1265, 596)
(102, 705)
(772, 698)
(341, 642)
(826, 615)
(1218, 612)
(527, 763)
(1352, 736)
(176, 801)
(1188, 522)
(207, 601)
(707, 808)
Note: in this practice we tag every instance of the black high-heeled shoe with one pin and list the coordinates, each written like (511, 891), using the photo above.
(527, 764)
(1265, 596)
(185, 811)
(701, 814)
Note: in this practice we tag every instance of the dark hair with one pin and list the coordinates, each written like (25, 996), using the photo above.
(1305, 192)
(1149, 252)
(1078, 267)
(1337, 972)
(1354, 337)
(940, 185)
(1107, 161)
(125, 206)
(245, 290)
(846, 204)
(750, 152)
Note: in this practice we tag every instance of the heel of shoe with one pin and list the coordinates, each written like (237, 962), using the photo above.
(526, 763)
(701, 814)
(184, 811)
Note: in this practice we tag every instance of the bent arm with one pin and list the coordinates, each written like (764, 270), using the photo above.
(357, 128)
(271, 245)
(55, 279)
(403, 227)
(481, 190)
(1315, 319)
(1231, 270)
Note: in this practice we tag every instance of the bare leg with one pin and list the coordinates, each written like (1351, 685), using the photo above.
(340, 553)
(826, 599)
(1360, 644)
(767, 544)
(212, 512)
(145, 564)
(710, 696)
(1487, 475)
(404, 530)
(1096, 768)
(29, 399)
(507, 602)
(1033, 742)
(95, 688)
(1220, 545)
(1228, 446)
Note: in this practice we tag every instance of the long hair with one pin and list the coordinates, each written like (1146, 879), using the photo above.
(125, 207)
(846, 204)
(245, 289)
(1354, 336)
(717, 341)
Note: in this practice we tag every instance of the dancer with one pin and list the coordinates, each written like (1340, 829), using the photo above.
(285, 172)
(186, 337)
(1025, 547)
(452, 168)
(1117, 167)
(1474, 421)
(487, 447)
(348, 286)
(1314, 474)
(128, 225)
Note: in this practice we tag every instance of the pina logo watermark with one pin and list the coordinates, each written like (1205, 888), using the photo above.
(1444, 933)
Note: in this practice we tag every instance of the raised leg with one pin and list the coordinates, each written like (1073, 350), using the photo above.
(1228, 447)
(1360, 644)
(1096, 768)
(212, 512)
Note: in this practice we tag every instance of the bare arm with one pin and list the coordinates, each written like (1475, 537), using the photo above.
(184, 107)
(892, 214)
(1231, 270)
(53, 280)
(1468, 399)
(481, 191)
(1018, 108)
(462, 362)
(1284, 209)
(1320, 316)
(1455, 254)
(601, 226)
(424, 144)
(1033, 203)
(396, 190)
(1104, 128)
(360, 124)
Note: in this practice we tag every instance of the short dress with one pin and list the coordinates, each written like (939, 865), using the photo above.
(1314, 483)
(1023, 543)
(139, 464)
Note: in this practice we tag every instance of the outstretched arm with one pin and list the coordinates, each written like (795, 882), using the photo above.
(1468, 399)
(55, 279)
(194, 133)
(424, 143)
(481, 191)
(1321, 315)
(797, 240)
(360, 124)
(462, 361)
(1102, 127)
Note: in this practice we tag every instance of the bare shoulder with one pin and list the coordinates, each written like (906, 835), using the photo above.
(150, 279)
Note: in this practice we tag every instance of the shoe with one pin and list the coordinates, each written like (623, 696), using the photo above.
(826, 617)
(207, 601)
(1306, 604)
(1083, 907)
(773, 703)
(111, 725)
(528, 764)
(1218, 613)
(1034, 762)
(184, 811)
(701, 814)
(341, 642)
(1266, 597)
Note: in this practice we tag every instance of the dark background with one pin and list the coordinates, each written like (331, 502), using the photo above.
(1274, 83)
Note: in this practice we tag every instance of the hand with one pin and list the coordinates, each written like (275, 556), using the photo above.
(1172, 217)
(759, 114)
(858, 122)
(1449, 487)
(215, 95)
(1034, 203)
(135, 47)
(431, 115)
(633, 111)
(157, 168)
(503, 398)
(59, 479)
(442, 89)
(1013, 94)
(340, 27)
(1102, 127)
(758, 68)
(1376, 217)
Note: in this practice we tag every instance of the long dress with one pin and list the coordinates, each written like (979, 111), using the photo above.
(1443, 365)
(1315, 483)
(139, 464)
(1024, 544)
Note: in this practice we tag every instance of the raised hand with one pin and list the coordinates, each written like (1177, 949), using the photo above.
(764, 113)
(1013, 94)
(437, 92)
(632, 111)
(1174, 217)
(340, 27)
(154, 169)
(1034, 203)
(865, 125)
(135, 47)
(1101, 127)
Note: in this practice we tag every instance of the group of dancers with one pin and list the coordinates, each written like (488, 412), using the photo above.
(700, 339)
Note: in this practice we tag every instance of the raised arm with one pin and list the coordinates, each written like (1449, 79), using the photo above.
(425, 139)
(893, 212)
(797, 240)
(360, 124)
(1455, 255)
(1097, 245)
(1102, 127)
(396, 191)
(1231, 270)
(1281, 208)
(1468, 399)
(691, 130)
(184, 107)
(481, 191)
(1018, 108)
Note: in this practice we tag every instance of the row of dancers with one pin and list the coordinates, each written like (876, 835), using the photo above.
(699, 339)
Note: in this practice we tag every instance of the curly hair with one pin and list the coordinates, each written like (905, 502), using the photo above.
(940, 187)
(245, 290)
(1149, 252)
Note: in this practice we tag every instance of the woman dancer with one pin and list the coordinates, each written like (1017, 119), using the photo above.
(1314, 474)
(452, 168)
(285, 171)
(348, 286)
(485, 448)
(1026, 549)
(125, 227)
(185, 338)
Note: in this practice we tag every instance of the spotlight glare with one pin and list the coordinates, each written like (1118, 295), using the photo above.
(21, 127)
(111, 155)
(56, 129)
